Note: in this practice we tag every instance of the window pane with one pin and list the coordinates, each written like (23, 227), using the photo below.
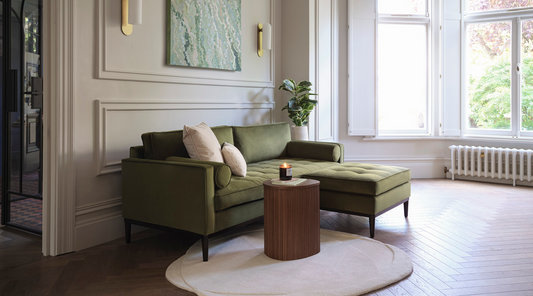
(527, 76)
(402, 77)
(402, 6)
(485, 5)
(488, 66)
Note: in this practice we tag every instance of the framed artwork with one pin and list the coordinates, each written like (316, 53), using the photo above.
(204, 34)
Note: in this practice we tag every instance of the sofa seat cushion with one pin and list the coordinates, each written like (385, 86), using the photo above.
(246, 189)
(361, 178)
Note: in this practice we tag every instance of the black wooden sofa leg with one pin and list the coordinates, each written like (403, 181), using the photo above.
(127, 228)
(406, 209)
(205, 247)
(372, 222)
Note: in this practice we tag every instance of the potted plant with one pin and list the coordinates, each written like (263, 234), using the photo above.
(299, 106)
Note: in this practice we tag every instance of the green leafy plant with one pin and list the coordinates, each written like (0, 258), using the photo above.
(490, 103)
(300, 105)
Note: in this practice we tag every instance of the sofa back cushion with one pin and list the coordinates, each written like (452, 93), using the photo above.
(262, 142)
(161, 145)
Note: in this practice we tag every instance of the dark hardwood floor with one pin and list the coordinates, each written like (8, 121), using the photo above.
(465, 238)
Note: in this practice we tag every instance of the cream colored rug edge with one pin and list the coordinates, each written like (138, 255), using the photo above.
(337, 247)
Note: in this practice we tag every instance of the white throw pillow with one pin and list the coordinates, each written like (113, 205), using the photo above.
(234, 159)
(201, 143)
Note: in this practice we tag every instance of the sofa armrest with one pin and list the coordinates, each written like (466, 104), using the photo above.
(177, 195)
(221, 171)
(316, 150)
(136, 152)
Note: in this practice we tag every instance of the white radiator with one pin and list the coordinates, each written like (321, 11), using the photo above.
(490, 162)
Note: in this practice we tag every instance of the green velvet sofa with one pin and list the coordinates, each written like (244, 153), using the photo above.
(163, 188)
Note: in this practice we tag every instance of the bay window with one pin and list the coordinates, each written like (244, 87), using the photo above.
(440, 68)
(389, 62)
(403, 72)
(498, 64)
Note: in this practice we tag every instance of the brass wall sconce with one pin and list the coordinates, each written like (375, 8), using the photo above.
(131, 15)
(264, 38)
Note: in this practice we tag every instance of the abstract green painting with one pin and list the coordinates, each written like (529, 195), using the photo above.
(205, 34)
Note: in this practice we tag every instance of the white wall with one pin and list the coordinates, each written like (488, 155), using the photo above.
(295, 49)
(123, 88)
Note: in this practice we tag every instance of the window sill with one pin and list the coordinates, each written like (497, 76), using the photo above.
(402, 138)
(506, 139)
(470, 138)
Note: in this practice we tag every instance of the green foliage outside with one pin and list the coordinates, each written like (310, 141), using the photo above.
(299, 106)
(490, 96)
(490, 70)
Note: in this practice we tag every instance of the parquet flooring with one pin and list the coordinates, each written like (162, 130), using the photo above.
(27, 212)
(465, 238)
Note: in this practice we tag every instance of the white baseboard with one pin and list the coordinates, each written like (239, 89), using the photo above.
(428, 167)
(448, 164)
(98, 231)
(99, 223)
(491, 180)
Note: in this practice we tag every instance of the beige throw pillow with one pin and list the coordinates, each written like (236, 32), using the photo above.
(234, 159)
(201, 143)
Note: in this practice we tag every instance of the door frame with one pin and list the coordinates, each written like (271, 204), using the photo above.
(59, 194)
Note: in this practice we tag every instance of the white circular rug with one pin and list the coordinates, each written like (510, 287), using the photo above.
(347, 264)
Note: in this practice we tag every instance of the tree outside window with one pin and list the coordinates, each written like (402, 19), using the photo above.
(489, 68)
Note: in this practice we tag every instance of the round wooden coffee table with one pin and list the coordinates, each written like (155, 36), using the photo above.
(292, 220)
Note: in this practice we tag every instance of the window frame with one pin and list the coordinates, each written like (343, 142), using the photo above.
(521, 133)
(426, 14)
(515, 16)
(411, 19)
(495, 11)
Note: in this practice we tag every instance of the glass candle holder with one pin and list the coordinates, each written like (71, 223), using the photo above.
(285, 172)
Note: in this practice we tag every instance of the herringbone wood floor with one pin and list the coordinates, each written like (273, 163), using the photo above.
(465, 238)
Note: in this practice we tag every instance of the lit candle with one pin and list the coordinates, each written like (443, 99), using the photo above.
(285, 172)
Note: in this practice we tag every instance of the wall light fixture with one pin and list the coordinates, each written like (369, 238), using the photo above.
(132, 14)
(264, 38)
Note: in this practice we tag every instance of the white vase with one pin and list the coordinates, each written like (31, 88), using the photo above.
(299, 133)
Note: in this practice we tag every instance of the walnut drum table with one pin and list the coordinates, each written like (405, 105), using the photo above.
(292, 220)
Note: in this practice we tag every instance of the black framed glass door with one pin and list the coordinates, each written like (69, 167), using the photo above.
(21, 115)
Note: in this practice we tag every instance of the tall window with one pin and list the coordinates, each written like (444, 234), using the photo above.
(499, 67)
(403, 67)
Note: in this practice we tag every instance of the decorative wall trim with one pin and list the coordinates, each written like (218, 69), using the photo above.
(105, 72)
(103, 166)
(98, 219)
(58, 151)
(99, 206)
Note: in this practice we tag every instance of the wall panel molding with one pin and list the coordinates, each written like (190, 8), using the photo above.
(104, 71)
(98, 206)
(106, 164)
